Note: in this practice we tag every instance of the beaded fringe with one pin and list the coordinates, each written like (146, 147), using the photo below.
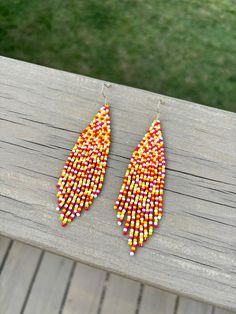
(82, 177)
(140, 200)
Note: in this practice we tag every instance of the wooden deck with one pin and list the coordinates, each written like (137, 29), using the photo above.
(192, 254)
(41, 282)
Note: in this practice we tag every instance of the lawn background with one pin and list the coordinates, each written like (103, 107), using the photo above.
(185, 49)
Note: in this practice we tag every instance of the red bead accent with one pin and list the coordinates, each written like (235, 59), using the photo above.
(83, 174)
(141, 196)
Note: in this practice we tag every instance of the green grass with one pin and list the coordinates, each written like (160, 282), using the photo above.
(185, 49)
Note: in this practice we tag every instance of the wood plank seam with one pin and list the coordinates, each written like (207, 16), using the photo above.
(67, 287)
(196, 240)
(5, 256)
(176, 305)
(139, 300)
(32, 282)
(103, 293)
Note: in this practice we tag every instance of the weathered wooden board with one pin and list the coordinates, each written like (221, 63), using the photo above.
(222, 311)
(50, 284)
(5, 244)
(85, 291)
(121, 296)
(17, 276)
(193, 253)
(155, 301)
(186, 306)
(55, 285)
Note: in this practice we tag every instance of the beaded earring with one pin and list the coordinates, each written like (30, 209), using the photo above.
(140, 199)
(82, 177)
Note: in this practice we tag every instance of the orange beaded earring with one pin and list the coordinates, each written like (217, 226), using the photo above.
(141, 195)
(83, 174)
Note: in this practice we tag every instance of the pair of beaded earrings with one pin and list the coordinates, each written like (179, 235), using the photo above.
(140, 200)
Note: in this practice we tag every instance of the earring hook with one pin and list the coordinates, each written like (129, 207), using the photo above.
(159, 103)
(107, 85)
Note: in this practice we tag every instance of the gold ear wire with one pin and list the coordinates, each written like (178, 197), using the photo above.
(159, 103)
(107, 85)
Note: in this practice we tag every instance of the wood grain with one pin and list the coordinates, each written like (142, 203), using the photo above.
(121, 296)
(16, 277)
(193, 253)
(186, 306)
(49, 285)
(4, 247)
(85, 291)
(154, 301)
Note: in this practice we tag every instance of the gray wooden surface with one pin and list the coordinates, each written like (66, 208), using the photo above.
(4, 248)
(193, 253)
(155, 301)
(186, 306)
(85, 291)
(121, 295)
(16, 277)
(49, 285)
(59, 286)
